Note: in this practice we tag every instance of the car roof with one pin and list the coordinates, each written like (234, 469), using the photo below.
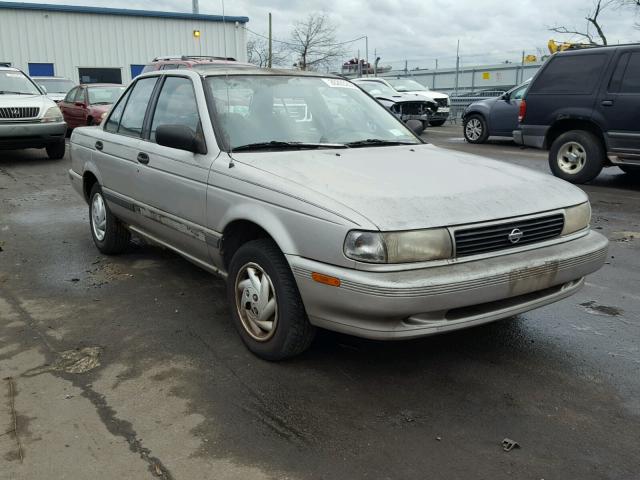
(52, 78)
(87, 85)
(591, 48)
(241, 70)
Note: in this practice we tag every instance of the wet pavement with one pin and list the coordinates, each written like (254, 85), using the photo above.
(129, 366)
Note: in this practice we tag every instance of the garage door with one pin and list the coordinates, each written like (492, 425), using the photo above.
(100, 75)
(136, 70)
(41, 69)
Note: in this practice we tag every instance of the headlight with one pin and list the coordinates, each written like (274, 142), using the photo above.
(398, 247)
(576, 218)
(53, 114)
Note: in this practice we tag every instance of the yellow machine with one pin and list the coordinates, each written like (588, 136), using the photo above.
(562, 46)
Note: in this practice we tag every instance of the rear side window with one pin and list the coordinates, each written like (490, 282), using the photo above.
(570, 74)
(176, 106)
(134, 112)
(631, 78)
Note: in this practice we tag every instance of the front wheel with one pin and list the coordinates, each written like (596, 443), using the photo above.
(108, 233)
(55, 151)
(475, 129)
(437, 123)
(265, 303)
(577, 156)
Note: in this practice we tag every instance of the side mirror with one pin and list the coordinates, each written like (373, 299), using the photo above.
(180, 137)
(416, 126)
(506, 97)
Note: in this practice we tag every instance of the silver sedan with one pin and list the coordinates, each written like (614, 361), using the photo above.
(321, 209)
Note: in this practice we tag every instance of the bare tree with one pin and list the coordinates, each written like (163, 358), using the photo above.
(258, 53)
(592, 22)
(313, 42)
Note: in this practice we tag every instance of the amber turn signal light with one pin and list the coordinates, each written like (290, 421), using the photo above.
(326, 279)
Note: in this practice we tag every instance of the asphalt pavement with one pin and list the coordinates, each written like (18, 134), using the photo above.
(129, 366)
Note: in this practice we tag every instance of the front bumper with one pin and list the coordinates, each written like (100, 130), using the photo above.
(30, 135)
(416, 303)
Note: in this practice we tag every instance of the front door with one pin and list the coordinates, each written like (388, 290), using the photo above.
(618, 107)
(504, 113)
(173, 182)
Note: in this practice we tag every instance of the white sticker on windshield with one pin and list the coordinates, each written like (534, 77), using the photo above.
(396, 133)
(338, 83)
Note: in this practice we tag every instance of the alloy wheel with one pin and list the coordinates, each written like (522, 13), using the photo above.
(571, 157)
(473, 129)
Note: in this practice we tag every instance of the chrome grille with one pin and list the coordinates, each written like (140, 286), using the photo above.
(11, 113)
(488, 238)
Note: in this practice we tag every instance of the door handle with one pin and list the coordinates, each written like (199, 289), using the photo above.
(99, 145)
(607, 103)
(143, 158)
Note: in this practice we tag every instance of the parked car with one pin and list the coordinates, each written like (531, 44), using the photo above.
(584, 106)
(28, 118)
(345, 220)
(56, 88)
(405, 107)
(87, 104)
(191, 61)
(409, 86)
(493, 117)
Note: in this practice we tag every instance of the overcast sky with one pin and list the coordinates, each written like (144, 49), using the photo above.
(490, 31)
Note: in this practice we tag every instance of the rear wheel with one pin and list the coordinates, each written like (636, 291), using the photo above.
(475, 129)
(437, 123)
(109, 234)
(266, 306)
(631, 169)
(576, 156)
(55, 151)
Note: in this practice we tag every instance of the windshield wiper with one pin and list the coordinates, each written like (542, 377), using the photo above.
(376, 142)
(8, 92)
(286, 145)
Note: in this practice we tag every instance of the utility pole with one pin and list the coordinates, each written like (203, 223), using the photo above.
(195, 7)
(457, 67)
(522, 69)
(366, 53)
(269, 61)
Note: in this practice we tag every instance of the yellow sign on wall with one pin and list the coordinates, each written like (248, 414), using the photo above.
(486, 76)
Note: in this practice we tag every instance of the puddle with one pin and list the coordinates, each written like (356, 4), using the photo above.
(596, 309)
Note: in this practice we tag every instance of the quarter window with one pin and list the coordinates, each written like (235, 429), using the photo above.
(631, 79)
(570, 74)
(176, 106)
(134, 112)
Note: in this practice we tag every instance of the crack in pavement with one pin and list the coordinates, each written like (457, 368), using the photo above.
(106, 413)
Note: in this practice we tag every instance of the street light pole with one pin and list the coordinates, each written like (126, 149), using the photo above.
(269, 61)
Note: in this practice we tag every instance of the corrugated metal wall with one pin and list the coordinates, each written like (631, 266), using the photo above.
(75, 40)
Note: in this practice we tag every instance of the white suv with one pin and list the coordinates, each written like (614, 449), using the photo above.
(28, 118)
(408, 86)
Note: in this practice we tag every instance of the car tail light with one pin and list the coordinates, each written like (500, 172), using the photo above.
(523, 110)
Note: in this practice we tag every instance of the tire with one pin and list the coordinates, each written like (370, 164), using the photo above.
(113, 238)
(474, 128)
(437, 123)
(286, 331)
(577, 156)
(55, 151)
(630, 169)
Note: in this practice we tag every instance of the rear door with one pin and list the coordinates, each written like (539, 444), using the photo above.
(66, 106)
(173, 182)
(117, 146)
(618, 107)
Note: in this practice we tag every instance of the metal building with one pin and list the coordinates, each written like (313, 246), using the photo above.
(89, 44)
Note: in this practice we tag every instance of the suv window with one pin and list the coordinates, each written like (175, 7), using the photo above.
(116, 114)
(518, 93)
(71, 95)
(134, 112)
(176, 106)
(570, 74)
(631, 78)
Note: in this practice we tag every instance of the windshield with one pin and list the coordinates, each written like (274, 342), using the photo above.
(16, 83)
(104, 95)
(406, 85)
(55, 85)
(255, 109)
(377, 89)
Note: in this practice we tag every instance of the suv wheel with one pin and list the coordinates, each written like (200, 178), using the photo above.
(630, 169)
(55, 151)
(576, 156)
(265, 302)
(109, 234)
(475, 129)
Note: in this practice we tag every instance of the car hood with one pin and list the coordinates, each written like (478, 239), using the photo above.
(412, 187)
(56, 97)
(428, 94)
(403, 99)
(7, 100)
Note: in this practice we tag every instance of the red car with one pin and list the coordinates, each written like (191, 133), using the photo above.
(87, 104)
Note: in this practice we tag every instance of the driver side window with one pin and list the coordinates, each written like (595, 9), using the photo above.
(519, 93)
(176, 106)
